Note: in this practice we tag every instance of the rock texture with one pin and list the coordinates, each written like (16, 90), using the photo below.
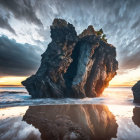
(136, 116)
(72, 122)
(73, 65)
(136, 92)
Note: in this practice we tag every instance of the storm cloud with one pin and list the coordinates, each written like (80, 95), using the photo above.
(18, 59)
(4, 24)
(119, 20)
(131, 55)
(22, 9)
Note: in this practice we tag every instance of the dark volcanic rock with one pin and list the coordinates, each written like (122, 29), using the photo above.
(136, 116)
(136, 92)
(73, 66)
(72, 122)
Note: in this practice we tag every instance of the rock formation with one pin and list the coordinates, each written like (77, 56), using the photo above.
(72, 122)
(73, 65)
(136, 116)
(136, 92)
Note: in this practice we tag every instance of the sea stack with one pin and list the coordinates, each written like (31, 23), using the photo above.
(136, 92)
(75, 66)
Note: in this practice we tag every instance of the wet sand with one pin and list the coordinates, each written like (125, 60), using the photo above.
(83, 121)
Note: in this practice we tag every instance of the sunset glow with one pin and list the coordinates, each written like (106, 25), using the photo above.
(117, 81)
(127, 79)
(14, 81)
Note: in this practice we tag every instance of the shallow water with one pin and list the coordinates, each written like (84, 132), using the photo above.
(17, 96)
(113, 116)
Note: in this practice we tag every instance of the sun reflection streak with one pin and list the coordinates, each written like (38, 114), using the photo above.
(127, 130)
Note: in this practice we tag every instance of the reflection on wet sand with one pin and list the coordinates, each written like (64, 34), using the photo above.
(136, 116)
(72, 122)
(13, 128)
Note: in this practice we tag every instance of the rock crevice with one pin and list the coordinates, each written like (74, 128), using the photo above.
(73, 66)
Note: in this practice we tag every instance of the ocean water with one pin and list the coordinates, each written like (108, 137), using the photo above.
(18, 96)
(113, 116)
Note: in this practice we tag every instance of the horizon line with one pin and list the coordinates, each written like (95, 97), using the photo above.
(106, 87)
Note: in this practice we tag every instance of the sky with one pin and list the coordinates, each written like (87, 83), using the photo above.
(25, 33)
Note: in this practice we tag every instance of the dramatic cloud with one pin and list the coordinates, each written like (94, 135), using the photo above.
(131, 55)
(18, 59)
(119, 19)
(4, 17)
(22, 9)
(4, 24)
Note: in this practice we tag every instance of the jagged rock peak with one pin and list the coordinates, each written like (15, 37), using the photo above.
(89, 31)
(59, 23)
(73, 66)
(62, 31)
